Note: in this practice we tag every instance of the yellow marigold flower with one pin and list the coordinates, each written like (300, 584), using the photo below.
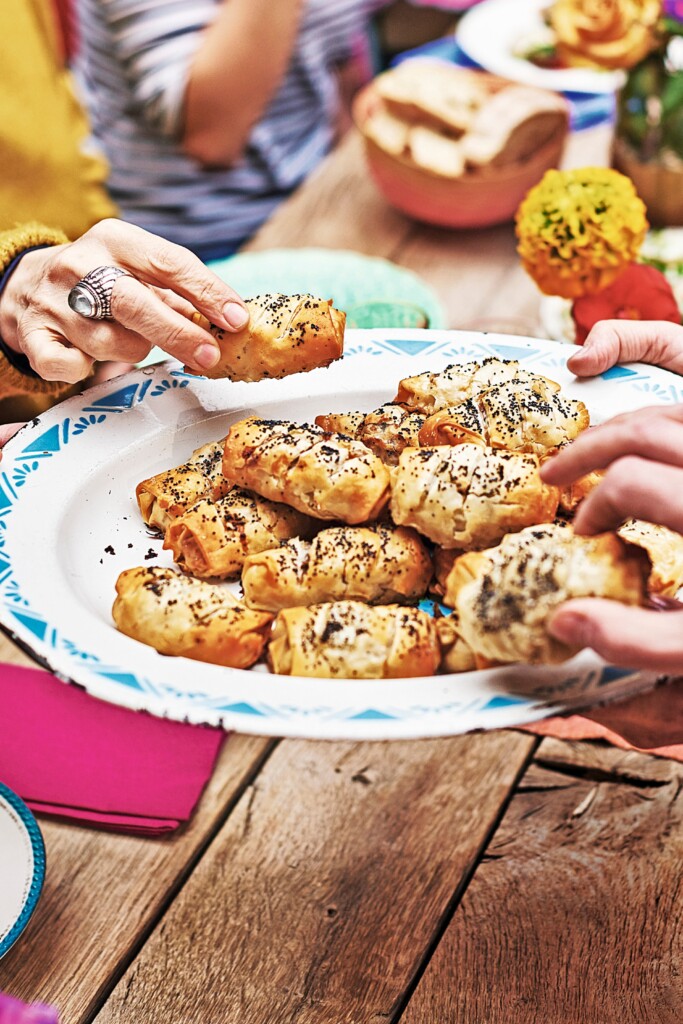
(578, 229)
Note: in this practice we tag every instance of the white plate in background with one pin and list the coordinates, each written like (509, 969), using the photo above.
(491, 33)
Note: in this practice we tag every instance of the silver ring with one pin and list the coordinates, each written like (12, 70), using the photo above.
(91, 296)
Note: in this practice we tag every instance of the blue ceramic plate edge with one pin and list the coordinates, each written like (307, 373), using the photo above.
(38, 847)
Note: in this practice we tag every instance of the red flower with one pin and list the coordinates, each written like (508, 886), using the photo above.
(639, 293)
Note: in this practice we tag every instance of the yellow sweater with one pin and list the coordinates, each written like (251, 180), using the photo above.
(46, 173)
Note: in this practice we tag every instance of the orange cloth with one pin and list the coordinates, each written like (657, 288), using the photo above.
(651, 723)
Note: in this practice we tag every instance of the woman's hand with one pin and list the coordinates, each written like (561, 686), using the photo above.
(642, 455)
(153, 307)
(627, 341)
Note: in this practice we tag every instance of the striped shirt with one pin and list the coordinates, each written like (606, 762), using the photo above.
(134, 63)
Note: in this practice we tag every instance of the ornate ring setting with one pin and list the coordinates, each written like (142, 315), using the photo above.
(91, 296)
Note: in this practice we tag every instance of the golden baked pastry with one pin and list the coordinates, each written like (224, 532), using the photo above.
(348, 423)
(504, 612)
(163, 497)
(572, 495)
(380, 565)
(188, 618)
(468, 496)
(324, 475)
(212, 538)
(517, 416)
(442, 559)
(665, 548)
(428, 392)
(352, 640)
(285, 334)
(456, 655)
(385, 431)
(388, 430)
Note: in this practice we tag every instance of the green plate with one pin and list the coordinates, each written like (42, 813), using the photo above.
(363, 286)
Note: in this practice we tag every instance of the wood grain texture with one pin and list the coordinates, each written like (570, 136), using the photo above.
(103, 892)
(575, 915)
(12, 654)
(321, 895)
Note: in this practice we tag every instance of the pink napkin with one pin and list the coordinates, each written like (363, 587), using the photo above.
(72, 756)
(651, 722)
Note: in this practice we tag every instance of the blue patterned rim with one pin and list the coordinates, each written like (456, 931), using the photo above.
(38, 848)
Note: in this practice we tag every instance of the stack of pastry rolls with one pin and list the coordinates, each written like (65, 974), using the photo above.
(339, 530)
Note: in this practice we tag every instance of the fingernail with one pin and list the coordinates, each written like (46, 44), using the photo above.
(207, 356)
(235, 315)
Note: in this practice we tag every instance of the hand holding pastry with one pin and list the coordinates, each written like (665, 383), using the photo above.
(506, 607)
(642, 455)
(158, 287)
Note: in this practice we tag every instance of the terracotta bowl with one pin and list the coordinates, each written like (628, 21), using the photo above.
(477, 199)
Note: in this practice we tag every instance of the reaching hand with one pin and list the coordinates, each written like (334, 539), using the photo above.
(153, 307)
(641, 454)
(626, 341)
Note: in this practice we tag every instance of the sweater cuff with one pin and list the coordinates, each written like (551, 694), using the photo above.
(28, 236)
(16, 377)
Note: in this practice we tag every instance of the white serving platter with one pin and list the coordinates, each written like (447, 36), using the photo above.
(69, 524)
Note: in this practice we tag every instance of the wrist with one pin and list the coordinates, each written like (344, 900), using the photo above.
(17, 283)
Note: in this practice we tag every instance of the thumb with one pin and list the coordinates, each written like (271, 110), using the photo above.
(626, 341)
(622, 634)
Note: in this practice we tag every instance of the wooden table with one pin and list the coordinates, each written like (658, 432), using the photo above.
(486, 879)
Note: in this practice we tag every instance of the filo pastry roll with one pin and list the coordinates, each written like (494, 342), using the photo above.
(504, 610)
(352, 640)
(348, 423)
(379, 565)
(188, 618)
(385, 431)
(213, 538)
(285, 334)
(665, 548)
(428, 392)
(469, 496)
(324, 475)
(525, 416)
(166, 495)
